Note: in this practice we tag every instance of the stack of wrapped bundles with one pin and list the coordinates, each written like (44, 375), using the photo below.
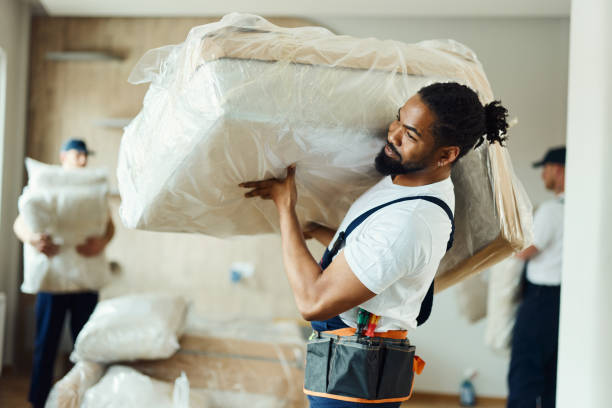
(241, 99)
(70, 206)
(132, 349)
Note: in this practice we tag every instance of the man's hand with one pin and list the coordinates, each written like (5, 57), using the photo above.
(319, 232)
(310, 229)
(92, 246)
(282, 192)
(44, 244)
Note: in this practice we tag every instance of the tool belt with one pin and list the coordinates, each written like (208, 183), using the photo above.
(344, 366)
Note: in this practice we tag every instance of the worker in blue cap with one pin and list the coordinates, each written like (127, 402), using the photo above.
(51, 308)
(532, 377)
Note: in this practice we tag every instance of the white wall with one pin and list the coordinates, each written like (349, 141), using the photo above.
(526, 63)
(14, 34)
(585, 331)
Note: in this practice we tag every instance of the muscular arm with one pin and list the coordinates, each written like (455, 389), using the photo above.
(318, 294)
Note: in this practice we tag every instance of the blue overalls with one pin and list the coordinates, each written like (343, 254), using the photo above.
(532, 377)
(337, 323)
(51, 309)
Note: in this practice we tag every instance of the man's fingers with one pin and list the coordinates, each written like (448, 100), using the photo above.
(261, 192)
(257, 184)
(291, 170)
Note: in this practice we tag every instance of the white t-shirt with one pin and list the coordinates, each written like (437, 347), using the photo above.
(396, 251)
(545, 267)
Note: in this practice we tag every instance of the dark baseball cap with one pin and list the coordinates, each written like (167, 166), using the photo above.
(555, 155)
(76, 144)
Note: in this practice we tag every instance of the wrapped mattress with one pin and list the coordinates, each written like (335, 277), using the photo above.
(241, 99)
(70, 206)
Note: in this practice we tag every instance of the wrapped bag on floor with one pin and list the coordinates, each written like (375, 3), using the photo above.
(143, 326)
(69, 391)
(241, 99)
(69, 205)
(123, 387)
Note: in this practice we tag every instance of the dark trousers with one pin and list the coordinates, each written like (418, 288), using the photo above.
(532, 378)
(51, 311)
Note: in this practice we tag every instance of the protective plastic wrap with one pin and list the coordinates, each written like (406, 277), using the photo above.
(69, 205)
(229, 364)
(503, 300)
(239, 363)
(69, 391)
(145, 326)
(241, 99)
(472, 297)
(124, 387)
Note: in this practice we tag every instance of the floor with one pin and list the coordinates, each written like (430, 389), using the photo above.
(14, 389)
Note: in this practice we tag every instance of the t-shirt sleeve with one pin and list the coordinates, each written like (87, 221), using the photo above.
(543, 227)
(386, 250)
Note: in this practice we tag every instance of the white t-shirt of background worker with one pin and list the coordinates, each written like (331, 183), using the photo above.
(396, 251)
(545, 267)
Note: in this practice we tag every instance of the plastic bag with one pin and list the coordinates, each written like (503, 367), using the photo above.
(144, 326)
(472, 297)
(69, 391)
(241, 99)
(502, 303)
(233, 364)
(123, 387)
(69, 205)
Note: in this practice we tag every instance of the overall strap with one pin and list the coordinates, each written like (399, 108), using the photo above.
(427, 303)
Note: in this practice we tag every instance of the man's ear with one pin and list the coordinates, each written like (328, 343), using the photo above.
(448, 154)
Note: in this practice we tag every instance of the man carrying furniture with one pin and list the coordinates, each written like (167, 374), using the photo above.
(378, 272)
(532, 379)
(51, 308)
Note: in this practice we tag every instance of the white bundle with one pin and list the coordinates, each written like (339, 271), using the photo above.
(124, 387)
(69, 391)
(503, 300)
(144, 326)
(472, 297)
(241, 99)
(70, 206)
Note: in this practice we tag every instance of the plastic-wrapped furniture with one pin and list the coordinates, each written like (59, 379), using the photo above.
(241, 99)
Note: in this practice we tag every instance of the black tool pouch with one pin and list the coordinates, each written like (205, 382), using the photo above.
(359, 368)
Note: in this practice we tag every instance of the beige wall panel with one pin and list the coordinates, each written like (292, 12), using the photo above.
(67, 98)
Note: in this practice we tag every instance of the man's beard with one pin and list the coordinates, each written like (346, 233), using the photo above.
(386, 165)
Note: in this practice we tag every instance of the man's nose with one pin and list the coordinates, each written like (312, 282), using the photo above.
(395, 135)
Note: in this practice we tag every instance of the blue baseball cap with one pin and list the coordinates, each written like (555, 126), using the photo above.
(555, 155)
(76, 144)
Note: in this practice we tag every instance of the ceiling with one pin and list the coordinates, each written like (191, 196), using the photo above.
(311, 8)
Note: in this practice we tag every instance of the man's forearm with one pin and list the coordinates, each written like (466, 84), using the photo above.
(22, 231)
(528, 253)
(324, 235)
(110, 230)
(302, 269)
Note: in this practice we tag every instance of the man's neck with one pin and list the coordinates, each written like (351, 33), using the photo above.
(417, 179)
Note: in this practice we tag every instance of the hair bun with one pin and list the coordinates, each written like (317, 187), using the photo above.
(496, 124)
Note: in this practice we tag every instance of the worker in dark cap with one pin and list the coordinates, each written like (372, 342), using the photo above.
(51, 308)
(532, 377)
